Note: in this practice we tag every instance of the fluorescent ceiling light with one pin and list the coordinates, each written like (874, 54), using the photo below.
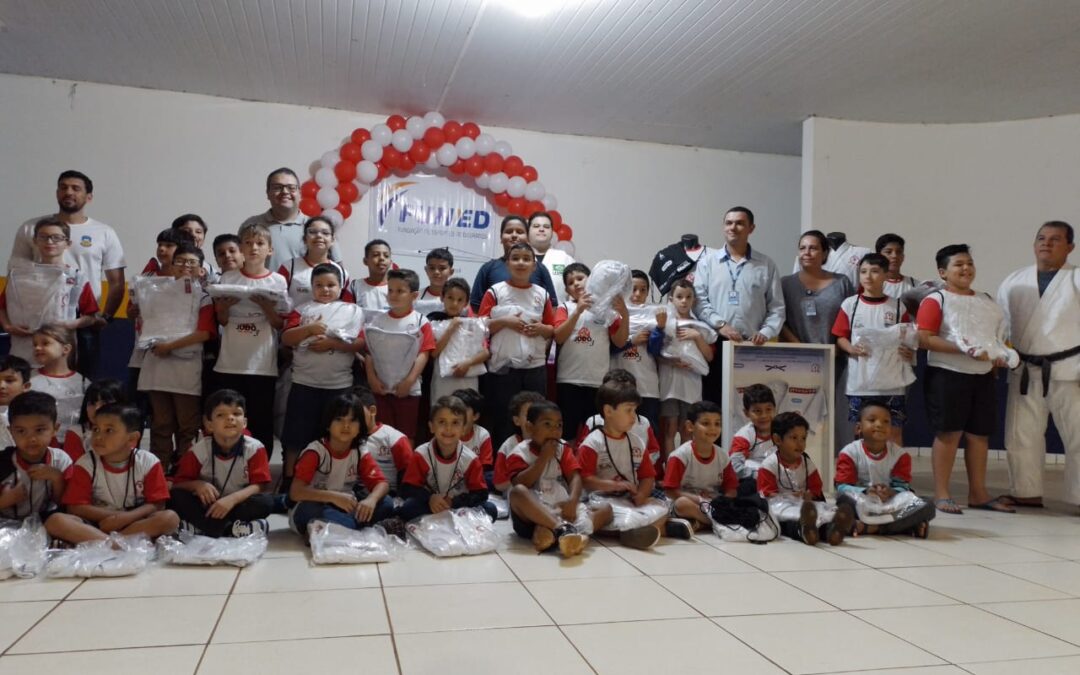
(533, 9)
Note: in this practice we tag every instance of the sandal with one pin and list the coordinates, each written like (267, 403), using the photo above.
(995, 504)
(921, 531)
(948, 505)
(1027, 502)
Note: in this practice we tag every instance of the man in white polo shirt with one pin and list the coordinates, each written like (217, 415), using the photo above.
(95, 250)
(283, 219)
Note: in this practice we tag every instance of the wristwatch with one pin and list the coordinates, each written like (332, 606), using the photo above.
(721, 324)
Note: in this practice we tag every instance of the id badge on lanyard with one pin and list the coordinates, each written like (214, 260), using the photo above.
(809, 306)
(733, 298)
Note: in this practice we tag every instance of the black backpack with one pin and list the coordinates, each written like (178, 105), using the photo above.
(750, 512)
(671, 264)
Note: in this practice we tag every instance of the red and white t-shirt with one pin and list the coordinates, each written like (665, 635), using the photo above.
(391, 450)
(895, 288)
(180, 372)
(324, 469)
(479, 441)
(554, 482)
(77, 442)
(227, 470)
(688, 471)
(779, 478)
(962, 316)
(297, 274)
(331, 369)
(749, 450)
(95, 247)
(39, 497)
(856, 465)
(508, 347)
(248, 341)
(636, 359)
(447, 476)
(611, 458)
(77, 298)
(68, 391)
(857, 313)
(642, 430)
(138, 481)
(500, 477)
(586, 355)
(394, 342)
(367, 295)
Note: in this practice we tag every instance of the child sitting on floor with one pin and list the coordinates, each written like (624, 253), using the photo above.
(100, 393)
(519, 411)
(474, 436)
(14, 380)
(699, 470)
(32, 474)
(391, 449)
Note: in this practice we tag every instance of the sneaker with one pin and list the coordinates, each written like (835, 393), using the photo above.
(542, 538)
(244, 528)
(395, 526)
(187, 528)
(842, 524)
(571, 542)
(808, 523)
(640, 537)
(678, 528)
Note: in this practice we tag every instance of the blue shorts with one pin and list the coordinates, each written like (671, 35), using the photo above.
(895, 404)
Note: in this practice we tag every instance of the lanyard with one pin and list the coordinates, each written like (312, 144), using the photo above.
(633, 469)
(433, 463)
(236, 452)
(738, 268)
(784, 471)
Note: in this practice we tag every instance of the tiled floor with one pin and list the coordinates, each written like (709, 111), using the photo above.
(986, 594)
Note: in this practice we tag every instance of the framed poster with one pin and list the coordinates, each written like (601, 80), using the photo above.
(802, 380)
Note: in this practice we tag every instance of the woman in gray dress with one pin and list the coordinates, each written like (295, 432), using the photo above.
(813, 295)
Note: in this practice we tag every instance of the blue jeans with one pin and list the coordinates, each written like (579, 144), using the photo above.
(414, 507)
(305, 512)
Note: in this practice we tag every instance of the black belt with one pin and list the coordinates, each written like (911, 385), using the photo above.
(1045, 363)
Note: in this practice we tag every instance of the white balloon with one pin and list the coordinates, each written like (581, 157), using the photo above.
(550, 202)
(567, 246)
(434, 119)
(534, 191)
(447, 154)
(367, 172)
(381, 134)
(516, 187)
(401, 140)
(325, 177)
(362, 188)
(416, 126)
(334, 216)
(466, 147)
(328, 197)
(485, 144)
(503, 148)
(432, 162)
(330, 159)
(314, 166)
(371, 150)
(483, 181)
(498, 182)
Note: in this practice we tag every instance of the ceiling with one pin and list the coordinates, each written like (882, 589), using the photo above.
(734, 74)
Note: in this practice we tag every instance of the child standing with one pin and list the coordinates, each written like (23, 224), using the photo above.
(171, 372)
(219, 483)
(371, 292)
(872, 309)
(99, 394)
(584, 348)
(168, 241)
(753, 443)
(474, 436)
(792, 485)
(455, 301)
(634, 356)
(892, 247)
(518, 414)
(615, 465)
(14, 380)
(679, 384)
(698, 470)
(961, 396)
(336, 480)
(545, 501)
(521, 322)
(399, 343)
(298, 272)
(75, 306)
(32, 474)
(439, 267)
(53, 347)
(247, 362)
(195, 227)
(326, 335)
(117, 487)
(227, 253)
(877, 468)
(444, 474)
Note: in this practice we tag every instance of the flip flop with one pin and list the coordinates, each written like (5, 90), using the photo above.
(1026, 502)
(948, 505)
(994, 504)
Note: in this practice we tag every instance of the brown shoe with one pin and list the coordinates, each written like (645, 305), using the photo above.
(542, 539)
(641, 538)
(571, 542)
(842, 524)
(808, 523)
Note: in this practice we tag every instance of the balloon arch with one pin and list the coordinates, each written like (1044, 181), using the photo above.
(401, 145)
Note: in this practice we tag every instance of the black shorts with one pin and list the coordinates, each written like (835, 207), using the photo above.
(522, 528)
(960, 401)
(303, 414)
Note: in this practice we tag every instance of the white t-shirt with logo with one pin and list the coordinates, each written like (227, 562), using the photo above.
(39, 497)
(297, 274)
(586, 355)
(248, 341)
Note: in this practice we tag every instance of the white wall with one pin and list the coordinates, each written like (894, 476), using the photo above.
(989, 185)
(154, 155)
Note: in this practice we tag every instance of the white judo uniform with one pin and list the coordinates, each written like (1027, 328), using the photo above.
(1040, 327)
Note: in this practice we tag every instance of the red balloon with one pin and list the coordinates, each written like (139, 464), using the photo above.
(517, 206)
(391, 158)
(470, 129)
(407, 164)
(350, 152)
(345, 171)
(348, 192)
(384, 171)
(534, 207)
(502, 200)
(419, 152)
(360, 135)
(493, 162)
(452, 131)
(395, 122)
(513, 166)
(529, 174)
(310, 207)
(474, 165)
(458, 167)
(565, 232)
(309, 189)
(345, 209)
(434, 137)
(556, 220)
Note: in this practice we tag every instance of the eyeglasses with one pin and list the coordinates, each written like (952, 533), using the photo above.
(278, 188)
(191, 264)
(320, 233)
(51, 238)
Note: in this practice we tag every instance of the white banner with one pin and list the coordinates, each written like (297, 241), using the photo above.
(420, 212)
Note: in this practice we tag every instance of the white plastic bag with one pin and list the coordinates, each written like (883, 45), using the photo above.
(685, 350)
(117, 556)
(609, 278)
(22, 548)
(979, 330)
(625, 514)
(199, 550)
(872, 511)
(883, 368)
(35, 294)
(509, 347)
(280, 296)
(642, 317)
(466, 342)
(787, 507)
(456, 532)
(168, 309)
(395, 353)
(333, 544)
